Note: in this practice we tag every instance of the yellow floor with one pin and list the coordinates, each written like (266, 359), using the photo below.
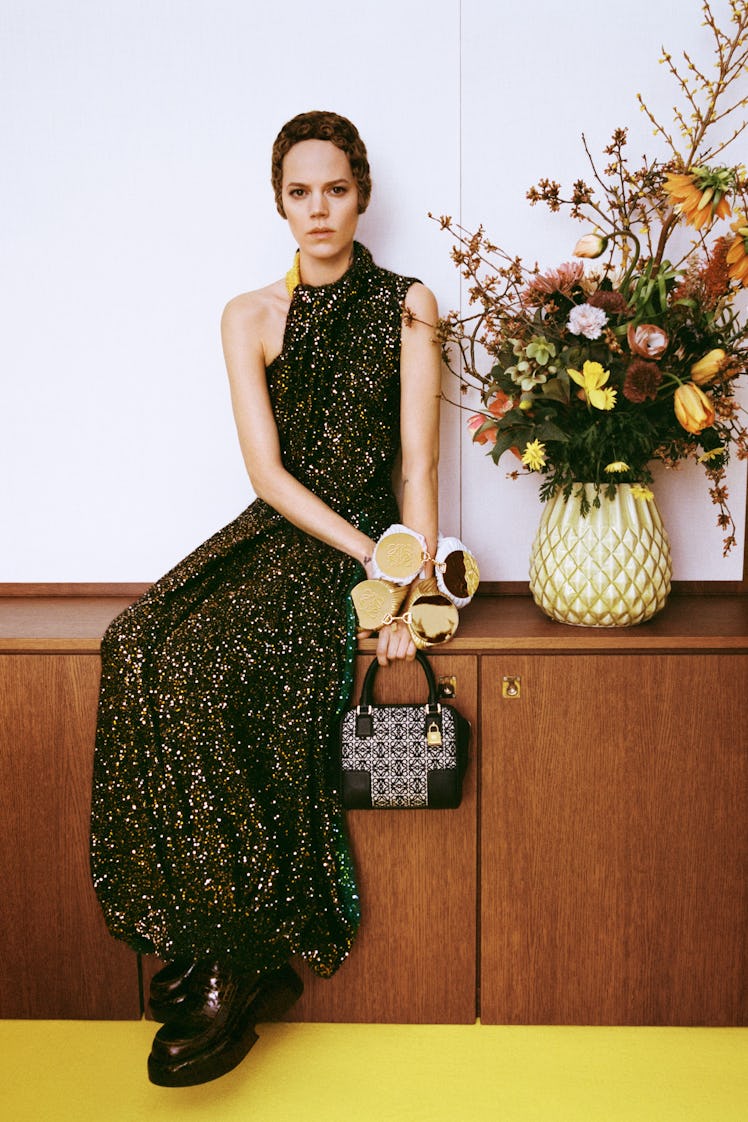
(55, 1071)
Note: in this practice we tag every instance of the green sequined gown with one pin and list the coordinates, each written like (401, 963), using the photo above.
(216, 823)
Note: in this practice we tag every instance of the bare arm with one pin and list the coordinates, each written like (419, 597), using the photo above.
(420, 375)
(420, 380)
(243, 328)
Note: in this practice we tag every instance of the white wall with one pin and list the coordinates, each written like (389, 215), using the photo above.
(135, 200)
(535, 76)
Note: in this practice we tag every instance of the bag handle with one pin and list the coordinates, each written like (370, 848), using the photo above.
(367, 689)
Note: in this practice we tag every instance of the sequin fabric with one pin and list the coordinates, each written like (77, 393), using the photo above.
(216, 827)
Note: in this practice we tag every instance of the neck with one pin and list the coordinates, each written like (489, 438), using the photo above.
(316, 272)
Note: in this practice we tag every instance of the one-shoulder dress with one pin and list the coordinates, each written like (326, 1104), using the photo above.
(216, 828)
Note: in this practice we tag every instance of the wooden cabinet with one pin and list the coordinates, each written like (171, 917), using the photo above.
(56, 957)
(415, 957)
(614, 839)
(594, 874)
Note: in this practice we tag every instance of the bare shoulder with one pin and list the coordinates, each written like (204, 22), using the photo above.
(421, 303)
(420, 353)
(252, 309)
(257, 319)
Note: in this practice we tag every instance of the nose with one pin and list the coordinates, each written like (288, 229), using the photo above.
(319, 204)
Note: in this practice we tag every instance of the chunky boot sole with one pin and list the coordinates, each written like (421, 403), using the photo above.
(211, 1064)
(273, 997)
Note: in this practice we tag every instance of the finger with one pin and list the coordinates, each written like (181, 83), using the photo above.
(403, 642)
(382, 646)
(393, 640)
(399, 642)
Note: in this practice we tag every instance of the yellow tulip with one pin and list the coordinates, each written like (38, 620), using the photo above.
(693, 408)
(707, 367)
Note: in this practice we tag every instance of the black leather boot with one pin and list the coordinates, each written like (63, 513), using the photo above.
(170, 988)
(207, 1043)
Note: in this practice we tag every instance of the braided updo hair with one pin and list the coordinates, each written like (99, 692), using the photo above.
(321, 125)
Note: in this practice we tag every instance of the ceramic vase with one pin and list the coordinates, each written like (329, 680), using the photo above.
(611, 568)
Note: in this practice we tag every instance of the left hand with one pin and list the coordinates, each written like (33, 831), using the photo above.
(395, 642)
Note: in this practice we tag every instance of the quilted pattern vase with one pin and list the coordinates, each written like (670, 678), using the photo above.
(611, 568)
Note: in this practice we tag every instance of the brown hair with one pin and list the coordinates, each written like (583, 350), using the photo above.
(321, 125)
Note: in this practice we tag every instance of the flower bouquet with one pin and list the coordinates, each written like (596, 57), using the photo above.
(588, 374)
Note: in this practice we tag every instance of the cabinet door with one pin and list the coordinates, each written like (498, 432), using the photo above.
(614, 840)
(56, 957)
(414, 958)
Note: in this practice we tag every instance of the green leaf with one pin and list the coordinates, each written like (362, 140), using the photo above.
(557, 389)
(546, 430)
(504, 442)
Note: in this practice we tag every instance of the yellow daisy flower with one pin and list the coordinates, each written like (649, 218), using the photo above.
(533, 456)
(641, 492)
(617, 467)
(711, 454)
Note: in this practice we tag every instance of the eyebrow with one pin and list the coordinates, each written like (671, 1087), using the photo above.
(331, 183)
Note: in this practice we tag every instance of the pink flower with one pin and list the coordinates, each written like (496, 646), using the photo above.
(647, 340)
(562, 280)
(590, 245)
(474, 423)
(586, 320)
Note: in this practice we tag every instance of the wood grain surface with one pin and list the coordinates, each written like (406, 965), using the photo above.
(415, 956)
(56, 956)
(614, 840)
(613, 821)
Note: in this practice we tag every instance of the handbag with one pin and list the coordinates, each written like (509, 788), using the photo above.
(403, 756)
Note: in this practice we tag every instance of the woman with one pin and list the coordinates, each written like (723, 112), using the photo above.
(217, 833)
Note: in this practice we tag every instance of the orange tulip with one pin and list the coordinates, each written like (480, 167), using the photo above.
(693, 408)
(737, 254)
(699, 195)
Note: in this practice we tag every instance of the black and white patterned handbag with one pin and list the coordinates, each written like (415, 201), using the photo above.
(403, 756)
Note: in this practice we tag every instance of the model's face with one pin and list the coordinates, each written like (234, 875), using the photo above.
(320, 198)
